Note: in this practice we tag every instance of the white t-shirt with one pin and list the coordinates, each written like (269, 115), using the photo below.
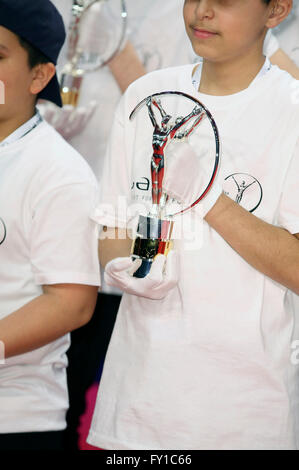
(47, 192)
(208, 367)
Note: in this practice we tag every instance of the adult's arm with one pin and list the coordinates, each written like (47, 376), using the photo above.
(283, 61)
(126, 67)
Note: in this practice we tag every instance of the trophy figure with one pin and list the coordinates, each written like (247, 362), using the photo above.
(90, 45)
(154, 231)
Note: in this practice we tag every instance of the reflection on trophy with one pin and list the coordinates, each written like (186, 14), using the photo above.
(91, 42)
(154, 231)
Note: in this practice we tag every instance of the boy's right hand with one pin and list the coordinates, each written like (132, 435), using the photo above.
(154, 286)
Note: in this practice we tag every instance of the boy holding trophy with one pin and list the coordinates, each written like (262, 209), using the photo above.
(201, 353)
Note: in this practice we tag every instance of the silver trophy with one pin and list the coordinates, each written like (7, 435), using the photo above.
(96, 34)
(154, 231)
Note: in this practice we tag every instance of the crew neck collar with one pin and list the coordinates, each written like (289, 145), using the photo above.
(23, 130)
(222, 101)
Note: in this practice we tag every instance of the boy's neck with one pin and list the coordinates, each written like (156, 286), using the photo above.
(227, 78)
(8, 126)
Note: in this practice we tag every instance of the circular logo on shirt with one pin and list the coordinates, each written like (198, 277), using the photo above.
(2, 231)
(244, 189)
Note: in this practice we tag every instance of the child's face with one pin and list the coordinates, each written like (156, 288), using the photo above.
(15, 74)
(221, 30)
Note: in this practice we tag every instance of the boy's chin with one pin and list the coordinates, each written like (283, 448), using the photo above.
(208, 53)
(208, 56)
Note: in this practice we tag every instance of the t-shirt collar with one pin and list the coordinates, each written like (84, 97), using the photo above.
(196, 78)
(23, 130)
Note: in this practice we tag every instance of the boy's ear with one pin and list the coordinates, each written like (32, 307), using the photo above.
(42, 75)
(278, 11)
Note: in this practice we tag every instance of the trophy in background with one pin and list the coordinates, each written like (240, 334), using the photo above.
(154, 231)
(96, 34)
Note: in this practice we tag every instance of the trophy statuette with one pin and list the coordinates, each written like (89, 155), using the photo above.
(154, 231)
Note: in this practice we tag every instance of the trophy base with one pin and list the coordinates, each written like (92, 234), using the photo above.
(144, 269)
(153, 239)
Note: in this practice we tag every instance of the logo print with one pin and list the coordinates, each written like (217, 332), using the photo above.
(141, 185)
(2, 231)
(244, 189)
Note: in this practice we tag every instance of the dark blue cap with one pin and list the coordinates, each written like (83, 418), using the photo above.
(40, 24)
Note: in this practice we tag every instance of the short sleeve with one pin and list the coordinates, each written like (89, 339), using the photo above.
(63, 238)
(115, 182)
(288, 214)
(271, 44)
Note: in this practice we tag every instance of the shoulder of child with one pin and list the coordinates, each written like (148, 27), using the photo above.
(286, 87)
(58, 159)
(161, 76)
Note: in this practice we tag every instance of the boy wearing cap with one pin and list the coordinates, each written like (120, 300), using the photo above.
(49, 273)
(207, 362)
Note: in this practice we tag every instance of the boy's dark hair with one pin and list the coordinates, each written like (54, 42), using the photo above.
(35, 57)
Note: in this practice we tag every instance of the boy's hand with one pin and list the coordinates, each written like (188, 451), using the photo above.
(186, 177)
(155, 285)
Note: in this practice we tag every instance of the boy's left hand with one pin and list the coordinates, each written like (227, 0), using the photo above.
(155, 286)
